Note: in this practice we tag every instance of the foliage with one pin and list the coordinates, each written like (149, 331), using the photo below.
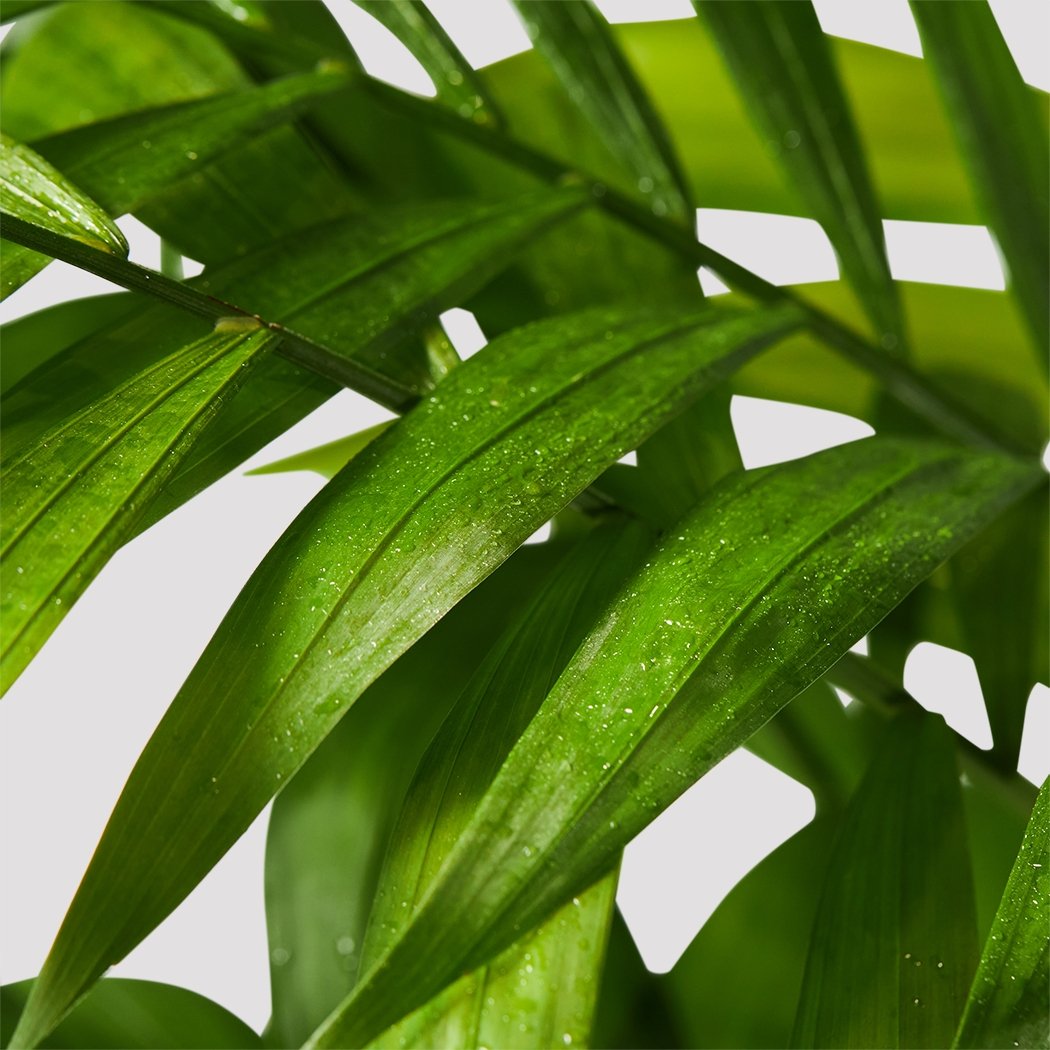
(462, 732)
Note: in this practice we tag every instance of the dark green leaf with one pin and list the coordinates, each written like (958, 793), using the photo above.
(894, 940)
(1003, 135)
(676, 675)
(785, 70)
(330, 826)
(542, 988)
(574, 38)
(431, 507)
(124, 161)
(1009, 1003)
(454, 78)
(33, 190)
(72, 499)
(122, 1014)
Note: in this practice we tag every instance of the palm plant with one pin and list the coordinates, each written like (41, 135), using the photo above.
(463, 732)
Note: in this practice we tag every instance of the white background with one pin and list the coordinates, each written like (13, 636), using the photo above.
(75, 722)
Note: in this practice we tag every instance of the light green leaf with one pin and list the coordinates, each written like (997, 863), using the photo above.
(543, 987)
(784, 68)
(329, 828)
(1002, 132)
(582, 51)
(71, 500)
(457, 85)
(33, 190)
(328, 459)
(1009, 1003)
(894, 940)
(121, 1014)
(329, 617)
(124, 161)
(676, 675)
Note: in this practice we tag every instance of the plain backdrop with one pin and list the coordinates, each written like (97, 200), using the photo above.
(75, 722)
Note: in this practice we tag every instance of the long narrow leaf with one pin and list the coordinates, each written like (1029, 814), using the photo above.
(1003, 136)
(783, 65)
(73, 499)
(33, 190)
(574, 38)
(1009, 1003)
(894, 940)
(409, 527)
(560, 961)
(455, 81)
(122, 162)
(749, 599)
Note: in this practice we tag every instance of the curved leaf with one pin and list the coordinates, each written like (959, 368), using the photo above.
(894, 940)
(542, 988)
(457, 85)
(412, 524)
(574, 38)
(122, 1014)
(1009, 1003)
(676, 675)
(328, 459)
(784, 68)
(72, 499)
(1003, 136)
(33, 190)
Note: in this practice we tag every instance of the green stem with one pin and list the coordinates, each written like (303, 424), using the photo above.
(296, 347)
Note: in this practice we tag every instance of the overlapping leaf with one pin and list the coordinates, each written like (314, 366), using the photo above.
(542, 989)
(784, 68)
(73, 498)
(677, 674)
(574, 38)
(397, 538)
(135, 1015)
(1003, 135)
(894, 940)
(1009, 1003)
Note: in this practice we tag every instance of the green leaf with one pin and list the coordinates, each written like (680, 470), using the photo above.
(676, 675)
(894, 941)
(76, 67)
(1009, 1003)
(784, 68)
(328, 459)
(457, 85)
(329, 828)
(544, 986)
(32, 340)
(33, 190)
(121, 1014)
(1002, 132)
(752, 950)
(71, 500)
(333, 615)
(575, 39)
(124, 161)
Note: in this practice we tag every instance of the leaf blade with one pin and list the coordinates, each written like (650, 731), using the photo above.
(573, 824)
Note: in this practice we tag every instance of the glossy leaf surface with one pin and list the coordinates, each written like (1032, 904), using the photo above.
(894, 939)
(33, 190)
(675, 676)
(543, 987)
(1002, 131)
(577, 42)
(72, 499)
(785, 70)
(482, 478)
(1009, 1003)
(123, 1014)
